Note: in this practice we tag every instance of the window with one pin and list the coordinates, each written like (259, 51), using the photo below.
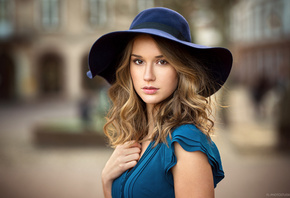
(6, 25)
(97, 12)
(144, 4)
(50, 10)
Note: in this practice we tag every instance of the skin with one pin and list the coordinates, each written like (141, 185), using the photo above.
(154, 80)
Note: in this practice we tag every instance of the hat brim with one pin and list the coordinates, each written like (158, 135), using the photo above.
(107, 50)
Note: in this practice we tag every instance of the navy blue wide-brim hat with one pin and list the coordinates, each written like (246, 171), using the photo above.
(106, 52)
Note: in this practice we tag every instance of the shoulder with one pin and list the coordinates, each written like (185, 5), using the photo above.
(188, 141)
(192, 174)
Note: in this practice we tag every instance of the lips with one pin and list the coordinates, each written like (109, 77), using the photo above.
(150, 90)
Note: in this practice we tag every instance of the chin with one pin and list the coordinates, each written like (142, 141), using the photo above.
(152, 102)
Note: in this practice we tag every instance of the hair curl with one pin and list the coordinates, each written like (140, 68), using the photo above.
(127, 118)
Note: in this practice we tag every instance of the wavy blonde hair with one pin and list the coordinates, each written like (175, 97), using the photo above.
(127, 118)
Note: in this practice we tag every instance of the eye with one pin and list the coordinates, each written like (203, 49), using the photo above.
(138, 61)
(162, 62)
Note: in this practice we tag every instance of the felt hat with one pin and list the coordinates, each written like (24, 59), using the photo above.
(105, 53)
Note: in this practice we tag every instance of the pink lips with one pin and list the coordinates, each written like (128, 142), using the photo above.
(150, 90)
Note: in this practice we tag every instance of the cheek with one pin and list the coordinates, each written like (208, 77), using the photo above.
(174, 82)
(172, 79)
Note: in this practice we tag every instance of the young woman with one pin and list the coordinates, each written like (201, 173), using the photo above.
(159, 122)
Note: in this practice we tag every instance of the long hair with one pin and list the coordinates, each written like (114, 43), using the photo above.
(127, 118)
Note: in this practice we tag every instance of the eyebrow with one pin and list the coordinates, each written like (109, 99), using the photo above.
(138, 56)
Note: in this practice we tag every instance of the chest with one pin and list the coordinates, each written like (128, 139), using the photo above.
(144, 146)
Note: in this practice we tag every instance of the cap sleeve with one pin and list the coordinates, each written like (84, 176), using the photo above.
(192, 139)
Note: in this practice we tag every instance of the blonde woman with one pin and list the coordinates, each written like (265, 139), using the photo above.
(159, 122)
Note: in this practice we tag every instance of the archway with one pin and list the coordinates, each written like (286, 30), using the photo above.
(50, 74)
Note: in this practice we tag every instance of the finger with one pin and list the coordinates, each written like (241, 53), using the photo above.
(125, 145)
(129, 143)
(131, 164)
(132, 157)
(127, 165)
(136, 144)
(130, 151)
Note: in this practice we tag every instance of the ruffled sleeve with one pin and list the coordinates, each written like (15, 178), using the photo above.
(192, 139)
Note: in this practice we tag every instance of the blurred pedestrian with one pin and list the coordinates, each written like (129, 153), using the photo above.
(259, 90)
(159, 122)
(85, 112)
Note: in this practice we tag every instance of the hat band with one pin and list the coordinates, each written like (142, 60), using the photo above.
(159, 26)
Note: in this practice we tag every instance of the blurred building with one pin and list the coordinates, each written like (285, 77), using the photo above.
(44, 43)
(260, 40)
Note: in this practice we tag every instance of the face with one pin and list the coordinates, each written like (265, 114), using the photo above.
(154, 79)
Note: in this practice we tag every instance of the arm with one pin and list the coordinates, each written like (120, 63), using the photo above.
(123, 158)
(192, 174)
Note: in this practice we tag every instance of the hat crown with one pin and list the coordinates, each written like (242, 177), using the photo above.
(163, 19)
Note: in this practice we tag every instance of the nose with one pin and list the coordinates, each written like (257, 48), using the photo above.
(149, 73)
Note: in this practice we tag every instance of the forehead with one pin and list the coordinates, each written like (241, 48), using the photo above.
(145, 44)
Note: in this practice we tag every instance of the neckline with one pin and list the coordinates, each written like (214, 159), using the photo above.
(145, 148)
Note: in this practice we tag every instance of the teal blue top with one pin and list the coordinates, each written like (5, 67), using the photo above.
(152, 176)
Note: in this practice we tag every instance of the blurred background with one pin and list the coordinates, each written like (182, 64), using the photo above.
(51, 114)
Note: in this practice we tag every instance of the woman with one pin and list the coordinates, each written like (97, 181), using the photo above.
(159, 122)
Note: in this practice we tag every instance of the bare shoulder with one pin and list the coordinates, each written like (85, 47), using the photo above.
(192, 174)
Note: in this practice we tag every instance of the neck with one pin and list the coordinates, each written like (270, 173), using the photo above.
(150, 113)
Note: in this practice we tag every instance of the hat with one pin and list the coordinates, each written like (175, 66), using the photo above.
(163, 22)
